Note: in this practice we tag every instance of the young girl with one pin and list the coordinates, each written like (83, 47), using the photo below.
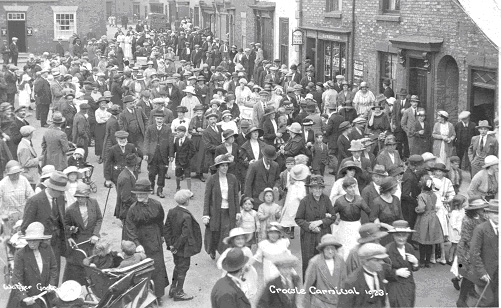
(285, 179)
(296, 191)
(456, 216)
(249, 220)
(238, 237)
(227, 122)
(25, 91)
(275, 244)
(71, 187)
(77, 158)
(268, 211)
(428, 230)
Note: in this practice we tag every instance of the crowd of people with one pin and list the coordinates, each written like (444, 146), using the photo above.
(263, 136)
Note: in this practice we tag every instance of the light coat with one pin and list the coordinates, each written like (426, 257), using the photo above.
(28, 159)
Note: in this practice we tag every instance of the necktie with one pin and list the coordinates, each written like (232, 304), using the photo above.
(182, 121)
(54, 203)
(180, 142)
(482, 143)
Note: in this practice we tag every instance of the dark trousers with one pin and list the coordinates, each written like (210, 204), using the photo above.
(55, 243)
(181, 267)
(467, 288)
(44, 112)
(5, 59)
(14, 59)
(403, 145)
(424, 254)
(11, 98)
(157, 167)
(461, 150)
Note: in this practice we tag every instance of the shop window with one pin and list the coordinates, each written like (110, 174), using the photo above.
(387, 69)
(391, 6)
(333, 5)
(334, 59)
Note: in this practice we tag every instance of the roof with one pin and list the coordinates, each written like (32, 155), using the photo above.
(486, 15)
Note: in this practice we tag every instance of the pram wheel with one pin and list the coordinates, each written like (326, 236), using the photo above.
(93, 187)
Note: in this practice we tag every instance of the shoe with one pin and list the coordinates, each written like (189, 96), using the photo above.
(201, 177)
(181, 296)
(449, 263)
(159, 301)
(160, 193)
(100, 161)
(433, 260)
(172, 291)
(455, 283)
(213, 255)
(167, 177)
(178, 188)
(427, 265)
(442, 261)
(421, 265)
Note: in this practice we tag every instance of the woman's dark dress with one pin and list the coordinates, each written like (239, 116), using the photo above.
(387, 213)
(144, 226)
(401, 291)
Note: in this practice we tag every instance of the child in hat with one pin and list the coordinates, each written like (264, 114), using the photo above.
(131, 257)
(249, 221)
(183, 150)
(227, 122)
(77, 159)
(239, 238)
(320, 154)
(268, 211)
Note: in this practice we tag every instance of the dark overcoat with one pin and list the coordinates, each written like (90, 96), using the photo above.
(109, 136)
(356, 281)
(258, 178)
(226, 294)
(182, 231)
(213, 199)
(125, 198)
(401, 291)
(54, 148)
(155, 138)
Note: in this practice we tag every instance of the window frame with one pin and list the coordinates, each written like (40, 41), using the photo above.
(385, 4)
(64, 10)
(393, 60)
(329, 6)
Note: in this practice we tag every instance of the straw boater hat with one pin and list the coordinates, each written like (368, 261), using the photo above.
(235, 260)
(13, 167)
(253, 129)
(222, 159)
(401, 226)
(483, 124)
(236, 232)
(299, 172)
(57, 181)
(69, 291)
(142, 186)
(328, 240)
(370, 232)
(35, 231)
(490, 160)
(476, 205)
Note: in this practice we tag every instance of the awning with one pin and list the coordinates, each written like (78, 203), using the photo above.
(420, 43)
(263, 6)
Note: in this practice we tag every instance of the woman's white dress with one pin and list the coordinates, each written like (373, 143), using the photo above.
(266, 251)
(25, 95)
(445, 193)
(121, 41)
(128, 47)
(295, 193)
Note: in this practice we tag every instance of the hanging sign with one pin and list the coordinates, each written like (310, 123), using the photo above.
(4, 32)
(297, 37)
(29, 31)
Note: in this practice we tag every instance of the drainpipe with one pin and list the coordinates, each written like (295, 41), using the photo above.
(352, 43)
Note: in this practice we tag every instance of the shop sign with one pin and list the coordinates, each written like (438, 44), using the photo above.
(358, 69)
(29, 31)
(4, 32)
(297, 37)
(329, 37)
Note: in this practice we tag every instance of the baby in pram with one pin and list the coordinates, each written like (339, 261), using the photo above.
(102, 258)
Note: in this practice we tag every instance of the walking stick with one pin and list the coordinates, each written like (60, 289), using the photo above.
(106, 203)
(483, 292)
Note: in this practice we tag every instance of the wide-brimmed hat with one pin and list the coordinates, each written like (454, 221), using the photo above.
(359, 120)
(347, 165)
(493, 206)
(223, 159)
(13, 167)
(490, 160)
(47, 171)
(70, 169)
(370, 232)
(402, 92)
(83, 190)
(229, 133)
(142, 186)
(35, 231)
(440, 166)
(57, 118)
(268, 189)
(379, 169)
(69, 291)
(276, 227)
(316, 180)
(395, 170)
(236, 232)
(344, 126)
(328, 240)
(401, 226)
(219, 89)
(295, 128)
(57, 181)
(253, 129)
(356, 145)
(390, 140)
(428, 156)
(372, 251)
(269, 110)
(476, 204)
(226, 113)
(128, 99)
(269, 151)
(483, 123)
(299, 172)
(235, 259)
(387, 184)
(189, 89)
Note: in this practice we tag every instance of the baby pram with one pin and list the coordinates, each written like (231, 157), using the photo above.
(128, 287)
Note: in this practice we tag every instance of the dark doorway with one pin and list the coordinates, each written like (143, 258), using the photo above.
(483, 103)
(311, 51)
(17, 28)
(418, 83)
(284, 40)
(447, 87)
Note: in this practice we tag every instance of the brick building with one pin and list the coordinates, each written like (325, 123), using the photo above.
(38, 24)
(431, 48)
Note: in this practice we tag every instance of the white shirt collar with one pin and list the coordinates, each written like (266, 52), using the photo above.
(494, 226)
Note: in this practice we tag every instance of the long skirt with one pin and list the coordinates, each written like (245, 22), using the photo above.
(197, 162)
(402, 293)
(99, 133)
(347, 234)
(213, 240)
(159, 276)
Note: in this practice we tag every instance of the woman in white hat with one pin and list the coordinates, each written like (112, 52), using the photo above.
(364, 99)
(74, 177)
(35, 267)
(190, 101)
(46, 172)
(27, 156)
(484, 184)
(296, 191)
(443, 134)
(24, 91)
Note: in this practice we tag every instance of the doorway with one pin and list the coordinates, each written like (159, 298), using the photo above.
(283, 31)
(418, 83)
(16, 27)
(483, 103)
(447, 87)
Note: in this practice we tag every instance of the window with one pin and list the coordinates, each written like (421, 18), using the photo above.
(16, 16)
(387, 69)
(334, 59)
(156, 8)
(64, 25)
(390, 6)
(284, 40)
(196, 17)
(333, 5)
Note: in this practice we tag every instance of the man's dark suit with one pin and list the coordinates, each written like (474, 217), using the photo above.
(69, 111)
(39, 208)
(410, 192)
(14, 52)
(183, 233)
(343, 144)
(174, 96)
(355, 134)
(81, 133)
(332, 132)
(125, 198)
(109, 136)
(115, 160)
(356, 280)
(270, 299)
(258, 178)
(184, 152)
(269, 131)
(43, 98)
(396, 118)
(15, 135)
(338, 87)
(296, 77)
(125, 120)
(226, 294)
(463, 140)
(157, 148)
(369, 194)
(306, 79)
(211, 138)
(485, 257)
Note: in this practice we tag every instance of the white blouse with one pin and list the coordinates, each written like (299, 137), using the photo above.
(223, 183)
(255, 148)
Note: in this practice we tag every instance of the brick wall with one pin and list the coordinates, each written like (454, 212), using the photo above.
(250, 27)
(90, 14)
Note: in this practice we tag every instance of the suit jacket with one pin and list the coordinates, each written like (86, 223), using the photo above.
(94, 221)
(311, 136)
(296, 77)
(213, 199)
(155, 138)
(464, 134)
(245, 153)
(490, 147)
(304, 81)
(27, 273)
(384, 159)
(257, 115)
(211, 138)
(356, 280)
(54, 148)
(15, 135)
(174, 96)
(125, 117)
(147, 107)
(226, 294)
(369, 194)
(28, 159)
(115, 160)
(269, 131)
(42, 91)
(484, 250)
(258, 178)
(343, 144)
(69, 111)
(388, 92)
(109, 136)
(332, 130)
(355, 134)
(397, 113)
(278, 299)
(184, 153)
(182, 231)
(81, 130)
(125, 198)
(408, 120)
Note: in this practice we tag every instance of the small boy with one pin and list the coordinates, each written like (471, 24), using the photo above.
(77, 159)
(131, 257)
(285, 177)
(183, 150)
(184, 239)
(320, 155)
(455, 173)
